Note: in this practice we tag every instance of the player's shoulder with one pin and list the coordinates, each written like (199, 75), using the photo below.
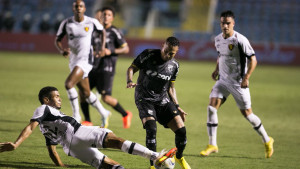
(240, 37)
(218, 37)
(175, 62)
(116, 31)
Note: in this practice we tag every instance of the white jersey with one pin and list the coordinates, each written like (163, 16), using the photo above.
(55, 125)
(233, 54)
(79, 37)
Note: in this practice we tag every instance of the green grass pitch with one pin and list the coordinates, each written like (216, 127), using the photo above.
(275, 92)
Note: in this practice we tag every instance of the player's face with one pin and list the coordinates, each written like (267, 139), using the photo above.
(108, 17)
(169, 52)
(98, 16)
(227, 24)
(55, 100)
(79, 8)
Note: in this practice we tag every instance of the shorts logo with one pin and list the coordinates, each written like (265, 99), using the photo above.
(86, 29)
(230, 46)
(174, 111)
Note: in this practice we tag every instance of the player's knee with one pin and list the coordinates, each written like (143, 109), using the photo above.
(180, 136)
(211, 110)
(150, 127)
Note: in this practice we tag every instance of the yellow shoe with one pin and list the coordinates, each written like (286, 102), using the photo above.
(152, 167)
(209, 149)
(163, 155)
(182, 163)
(269, 148)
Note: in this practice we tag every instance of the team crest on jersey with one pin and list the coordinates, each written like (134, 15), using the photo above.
(170, 68)
(230, 46)
(86, 29)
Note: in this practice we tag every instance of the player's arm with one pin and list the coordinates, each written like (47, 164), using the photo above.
(124, 49)
(58, 44)
(251, 67)
(130, 72)
(27, 131)
(54, 155)
(103, 40)
(215, 74)
(173, 96)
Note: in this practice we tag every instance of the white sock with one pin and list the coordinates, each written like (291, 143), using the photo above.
(92, 99)
(73, 97)
(137, 149)
(256, 123)
(212, 125)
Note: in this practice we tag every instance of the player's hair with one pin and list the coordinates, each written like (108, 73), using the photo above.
(112, 9)
(228, 13)
(46, 92)
(172, 41)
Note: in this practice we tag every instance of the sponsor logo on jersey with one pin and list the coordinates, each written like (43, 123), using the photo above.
(86, 28)
(230, 46)
(158, 75)
(150, 112)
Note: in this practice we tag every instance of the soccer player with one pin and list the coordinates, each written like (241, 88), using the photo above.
(79, 30)
(155, 95)
(235, 64)
(81, 142)
(102, 74)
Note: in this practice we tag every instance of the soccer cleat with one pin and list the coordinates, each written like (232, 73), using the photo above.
(127, 120)
(165, 155)
(269, 148)
(152, 167)
(105, 121)
(209, 149)
(87, 123)
(182, 162)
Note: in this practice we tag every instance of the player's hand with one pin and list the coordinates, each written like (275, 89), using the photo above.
(182, 114)
(245, 83)
(8, 146)
(107, 52)
(66, 52)
(131, 85)
(215, 75)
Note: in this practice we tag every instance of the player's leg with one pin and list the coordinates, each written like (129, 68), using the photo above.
(243, 101)
(74, 77)
(105, 89)
(216, 99)
(112, 141)
(91, 98)
(178, 127)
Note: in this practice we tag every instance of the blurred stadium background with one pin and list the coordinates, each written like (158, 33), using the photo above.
(272, 26)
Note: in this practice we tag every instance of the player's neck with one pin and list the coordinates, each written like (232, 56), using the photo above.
(79, 18)
(225, 36)
(106, 26)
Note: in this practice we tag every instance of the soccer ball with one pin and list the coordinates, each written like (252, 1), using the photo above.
(169, 163)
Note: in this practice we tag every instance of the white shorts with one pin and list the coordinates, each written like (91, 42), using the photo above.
(241, 95)
(83, 64)
(85, 144)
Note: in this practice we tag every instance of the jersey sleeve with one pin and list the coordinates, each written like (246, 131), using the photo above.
(140, 59)
(174, 76)
(40, 113)
(49, 142)
(97, 25)
(246, 47)
(119, 38)
(61, 32)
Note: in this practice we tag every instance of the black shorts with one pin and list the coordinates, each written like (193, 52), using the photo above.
(162, 113)
(103, 81)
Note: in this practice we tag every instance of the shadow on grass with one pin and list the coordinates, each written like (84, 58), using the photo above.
(31, 165)
(223, 156)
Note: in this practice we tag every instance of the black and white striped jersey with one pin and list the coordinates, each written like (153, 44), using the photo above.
(55, 125)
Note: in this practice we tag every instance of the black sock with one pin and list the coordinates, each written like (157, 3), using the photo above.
(120, 109)
(150, 127)
(180, 141)
(85, 111)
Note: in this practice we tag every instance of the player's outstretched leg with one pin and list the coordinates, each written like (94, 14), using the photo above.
(73, 97)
